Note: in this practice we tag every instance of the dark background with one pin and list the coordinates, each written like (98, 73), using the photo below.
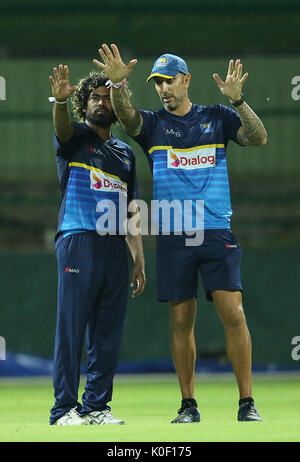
(34, 37)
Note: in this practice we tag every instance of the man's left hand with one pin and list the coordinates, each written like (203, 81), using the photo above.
(113, 65)
(232, 87)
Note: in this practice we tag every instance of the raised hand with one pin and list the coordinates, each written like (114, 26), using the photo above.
(113, 65)
(61, 88)
(232, 87)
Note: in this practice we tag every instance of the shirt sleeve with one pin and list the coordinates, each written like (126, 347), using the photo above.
(143, 139)
(66, 150)
(231, 123)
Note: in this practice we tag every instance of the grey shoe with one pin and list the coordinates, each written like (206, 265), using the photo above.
(71, 418)
(104, 417)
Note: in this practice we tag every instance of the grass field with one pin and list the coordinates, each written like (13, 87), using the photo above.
(148, 403)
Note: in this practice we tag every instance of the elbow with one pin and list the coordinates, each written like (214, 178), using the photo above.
(264, 140)
(264, 137)
(260, 141)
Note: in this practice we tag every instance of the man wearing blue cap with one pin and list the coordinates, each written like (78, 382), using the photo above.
(185, 145)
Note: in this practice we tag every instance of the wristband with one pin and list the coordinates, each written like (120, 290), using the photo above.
(238, 102)
(51, 99)
(109, 84)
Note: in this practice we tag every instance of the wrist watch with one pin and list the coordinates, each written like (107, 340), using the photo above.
(238, 102)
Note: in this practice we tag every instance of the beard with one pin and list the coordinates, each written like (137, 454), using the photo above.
(103, 118)
(172, 105)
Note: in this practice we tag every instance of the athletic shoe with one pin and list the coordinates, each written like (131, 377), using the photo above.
(187, 414)
(248, 413)
(104, 417)
(71, 418)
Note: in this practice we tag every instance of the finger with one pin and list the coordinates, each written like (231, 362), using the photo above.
(218, 80)
(135, 291)
(103, 55)
(143, 283)
(51, 81)
(132, 282)
(66, 72)
(244, 78)
(100, 65)
(132, 63)
(240, 71)
(55, 72)
(140, 286)
(74, 88)
(230, 67)
(236, 68)
(107, 50)
(60, 70)
(115, 50)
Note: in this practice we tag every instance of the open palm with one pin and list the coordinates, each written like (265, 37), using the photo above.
(113, 65)
(232, 87)
(61, 88)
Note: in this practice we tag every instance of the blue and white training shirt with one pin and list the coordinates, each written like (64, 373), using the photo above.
(93, 174)
(187, 156)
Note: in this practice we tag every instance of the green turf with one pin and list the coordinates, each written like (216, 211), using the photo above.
(148, 404)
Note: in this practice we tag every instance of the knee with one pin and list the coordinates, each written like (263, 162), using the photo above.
(181, 323)
(234, 317)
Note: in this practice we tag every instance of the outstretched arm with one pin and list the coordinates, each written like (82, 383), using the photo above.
(118, 72)
(62, 90)
(252, 132)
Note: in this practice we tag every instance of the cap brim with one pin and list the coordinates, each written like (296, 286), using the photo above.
(156, 74)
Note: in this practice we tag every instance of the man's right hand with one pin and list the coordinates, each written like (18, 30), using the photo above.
(61, 88)
(113, 65)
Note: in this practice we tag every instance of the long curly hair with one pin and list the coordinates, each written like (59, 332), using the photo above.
(80, 96)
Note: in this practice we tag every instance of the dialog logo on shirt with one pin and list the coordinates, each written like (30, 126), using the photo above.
(99, 181)
(190, 159)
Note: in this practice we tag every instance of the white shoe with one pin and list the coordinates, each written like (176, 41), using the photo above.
(71, 418)
(102, 418)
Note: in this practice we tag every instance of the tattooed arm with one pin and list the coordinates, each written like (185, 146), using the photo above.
(117, 72)
(252, 132)
(128, 115)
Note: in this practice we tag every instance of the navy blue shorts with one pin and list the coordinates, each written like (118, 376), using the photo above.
(217, 260)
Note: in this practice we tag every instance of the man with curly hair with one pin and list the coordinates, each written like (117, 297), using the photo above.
(97, 177)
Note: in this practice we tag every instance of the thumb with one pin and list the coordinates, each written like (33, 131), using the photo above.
(218, 80)
(74, 88)
(132, 63)
(132, 282)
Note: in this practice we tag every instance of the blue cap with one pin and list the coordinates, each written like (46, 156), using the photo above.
(168, 66)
